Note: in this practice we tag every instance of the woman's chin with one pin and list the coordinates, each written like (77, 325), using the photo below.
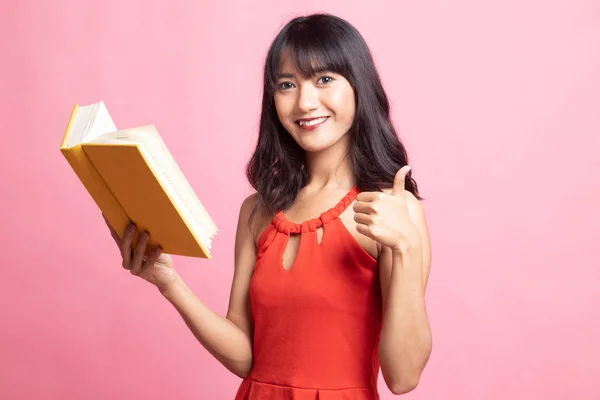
(318, 144)
(313, 146)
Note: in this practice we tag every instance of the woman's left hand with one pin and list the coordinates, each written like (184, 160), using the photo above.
(385, 217)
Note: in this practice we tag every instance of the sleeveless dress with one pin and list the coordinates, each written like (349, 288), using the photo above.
(317, 324)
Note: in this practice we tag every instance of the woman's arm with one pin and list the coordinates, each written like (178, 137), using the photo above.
(405, 343)
(228, 339)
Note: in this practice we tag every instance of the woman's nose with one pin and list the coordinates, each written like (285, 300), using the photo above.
(308, 98)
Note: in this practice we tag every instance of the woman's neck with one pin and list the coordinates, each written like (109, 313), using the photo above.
(331, 168)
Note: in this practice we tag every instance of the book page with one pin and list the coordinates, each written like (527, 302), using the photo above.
(90, 122)
(100, 124)
(83, 118)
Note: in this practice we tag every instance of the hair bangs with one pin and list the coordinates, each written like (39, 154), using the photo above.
(309, 52)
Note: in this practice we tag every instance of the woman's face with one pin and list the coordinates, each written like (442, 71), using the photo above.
(317, 111)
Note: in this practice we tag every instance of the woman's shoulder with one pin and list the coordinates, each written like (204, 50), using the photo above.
(254, 213)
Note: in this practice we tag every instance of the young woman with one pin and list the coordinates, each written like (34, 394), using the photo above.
(332, 253)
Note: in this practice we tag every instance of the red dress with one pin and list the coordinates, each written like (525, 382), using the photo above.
(317, 325)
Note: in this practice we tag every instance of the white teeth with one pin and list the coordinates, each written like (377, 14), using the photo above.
(313, 121)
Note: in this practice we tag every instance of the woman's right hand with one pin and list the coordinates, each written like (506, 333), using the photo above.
(153, 266)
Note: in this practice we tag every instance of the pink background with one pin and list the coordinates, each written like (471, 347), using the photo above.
(498, 102)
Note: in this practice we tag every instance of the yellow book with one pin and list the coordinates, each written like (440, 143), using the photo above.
(132, 176)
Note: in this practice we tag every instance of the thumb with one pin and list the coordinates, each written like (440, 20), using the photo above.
(399, 180)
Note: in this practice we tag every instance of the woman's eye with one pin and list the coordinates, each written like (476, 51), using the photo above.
(285, 85)
(326, 79)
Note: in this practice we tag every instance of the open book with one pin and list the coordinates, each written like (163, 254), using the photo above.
(131, 176)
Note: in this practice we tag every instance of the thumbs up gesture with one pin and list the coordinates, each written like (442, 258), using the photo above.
(385, 217)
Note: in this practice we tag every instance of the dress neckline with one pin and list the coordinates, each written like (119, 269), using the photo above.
(284, 225)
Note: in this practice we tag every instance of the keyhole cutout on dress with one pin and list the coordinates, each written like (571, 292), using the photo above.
(293, 245)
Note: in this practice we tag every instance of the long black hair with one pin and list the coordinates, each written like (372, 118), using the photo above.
(320, 42)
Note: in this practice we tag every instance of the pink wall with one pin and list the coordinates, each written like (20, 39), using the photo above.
(499, 103)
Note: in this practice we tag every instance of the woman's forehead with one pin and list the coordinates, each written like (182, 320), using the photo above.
(289, 66)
